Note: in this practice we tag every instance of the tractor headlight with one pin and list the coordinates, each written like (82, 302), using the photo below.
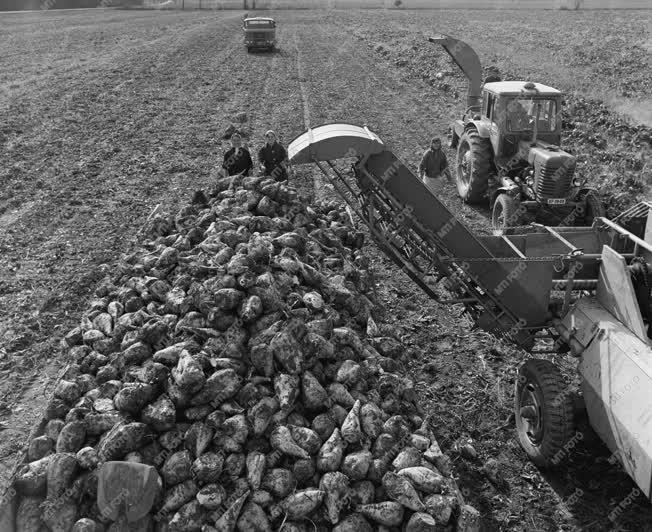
(576, 182)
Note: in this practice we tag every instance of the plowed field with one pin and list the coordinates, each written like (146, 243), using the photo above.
(106, 116)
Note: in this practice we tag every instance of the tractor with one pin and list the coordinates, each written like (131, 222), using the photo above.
(509, 150)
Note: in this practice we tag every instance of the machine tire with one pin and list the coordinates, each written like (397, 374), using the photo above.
(505, 212)
(593, 207)
(547, 444)
(476, 152)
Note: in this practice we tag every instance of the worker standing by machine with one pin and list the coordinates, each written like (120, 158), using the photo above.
(272, 157)
(434, 167)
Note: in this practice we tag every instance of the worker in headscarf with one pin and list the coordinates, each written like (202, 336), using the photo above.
(434, 167)
(237, 160)
(273, 157)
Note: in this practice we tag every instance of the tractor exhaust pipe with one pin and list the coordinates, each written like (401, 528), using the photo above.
(468, 61)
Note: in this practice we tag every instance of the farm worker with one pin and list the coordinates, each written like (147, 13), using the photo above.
(237, 160)
(434, 167)
(272, 157)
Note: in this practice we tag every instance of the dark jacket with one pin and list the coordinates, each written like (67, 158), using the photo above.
(433, 163)
(271, 157)
(234, 163)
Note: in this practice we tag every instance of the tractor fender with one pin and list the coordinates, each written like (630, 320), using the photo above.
(458, 128)
(481, 127)
(511, 190)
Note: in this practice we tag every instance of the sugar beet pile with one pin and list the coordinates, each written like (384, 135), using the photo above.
(228, 353)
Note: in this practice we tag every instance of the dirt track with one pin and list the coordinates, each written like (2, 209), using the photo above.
(104, 116)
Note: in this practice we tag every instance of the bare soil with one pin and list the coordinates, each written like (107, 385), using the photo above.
(105, 116)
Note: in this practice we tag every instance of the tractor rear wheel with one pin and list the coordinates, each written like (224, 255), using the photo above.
(544, 412)
(593, 207)
(474, 166)
(506, 212)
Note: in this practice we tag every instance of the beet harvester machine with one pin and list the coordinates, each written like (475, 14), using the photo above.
(579, 290)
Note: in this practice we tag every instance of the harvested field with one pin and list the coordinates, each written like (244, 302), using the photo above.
(107, 115)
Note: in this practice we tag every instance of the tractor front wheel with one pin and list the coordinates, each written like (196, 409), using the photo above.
(506, 212)
(474, 166)
(544, 413)
(593, 207)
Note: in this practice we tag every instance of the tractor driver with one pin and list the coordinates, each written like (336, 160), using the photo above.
(520, 115)
(434, 167)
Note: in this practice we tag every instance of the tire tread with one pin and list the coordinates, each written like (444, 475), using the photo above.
(482, 166)
(558, 420)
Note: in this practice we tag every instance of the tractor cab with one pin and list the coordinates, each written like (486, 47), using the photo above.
(516, 111)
